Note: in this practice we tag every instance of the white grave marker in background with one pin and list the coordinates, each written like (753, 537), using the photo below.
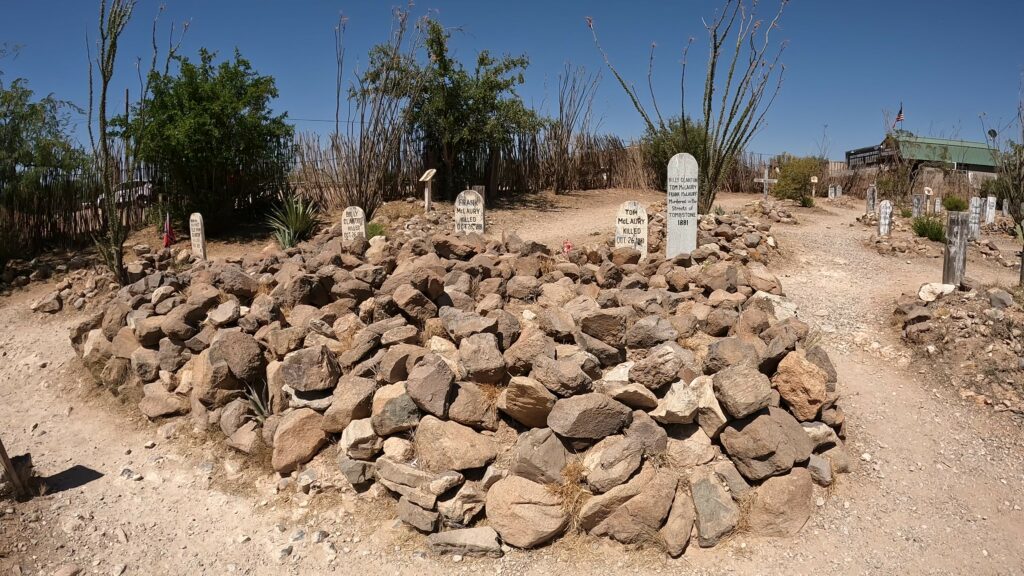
(884, 218)
(871, 196)
(197, 232)
(839, 191)
(469, 212)
(765, 182)
(631, 227)
(832, 192)
(918, 205)
(683, 192)
(990, 210)
(353, 223)
(974, 221)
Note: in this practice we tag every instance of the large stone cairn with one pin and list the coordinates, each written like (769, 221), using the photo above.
(638, 401)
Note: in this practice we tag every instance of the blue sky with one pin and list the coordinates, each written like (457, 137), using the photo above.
(846, 62)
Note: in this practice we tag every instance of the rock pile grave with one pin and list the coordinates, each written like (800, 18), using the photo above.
(476, 378)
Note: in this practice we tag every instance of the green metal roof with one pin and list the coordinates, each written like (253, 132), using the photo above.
(948, 151)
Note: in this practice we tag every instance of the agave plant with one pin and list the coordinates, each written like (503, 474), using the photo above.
(293, 221)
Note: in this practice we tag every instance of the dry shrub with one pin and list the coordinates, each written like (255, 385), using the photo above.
(572, 492)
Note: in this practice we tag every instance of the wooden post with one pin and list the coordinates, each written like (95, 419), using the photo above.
(12, 474)
(954, 262)
(426, 179)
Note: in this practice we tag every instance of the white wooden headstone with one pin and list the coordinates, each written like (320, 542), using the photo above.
(683, 194)
(917, 205)
(839, 191)
(353, 223)
(832, 191)
(197, 233)
(884, 218)
(1006, 208)
(938, 205)
(974, 222)
(469, 212)
(990, 210)
(871, 196)
(631, 227)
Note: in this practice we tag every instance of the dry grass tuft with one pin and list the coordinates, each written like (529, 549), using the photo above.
(745, 503)
(491, 393)
(572, 492)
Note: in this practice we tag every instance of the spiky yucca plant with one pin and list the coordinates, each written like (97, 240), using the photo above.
(293, 221)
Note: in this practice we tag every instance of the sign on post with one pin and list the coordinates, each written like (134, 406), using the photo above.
(469, 212)
(884, 218)
(683, 194)
(426, 178)
(974, 220)
(870, 197)
(353, 223)
(197, 233)
(631, 227)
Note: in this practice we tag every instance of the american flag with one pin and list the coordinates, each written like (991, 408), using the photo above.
(899, 115)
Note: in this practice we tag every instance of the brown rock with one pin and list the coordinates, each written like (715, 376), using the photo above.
(444, 446)
(524, 513)
(527, 401)
(393, 410)
(802, 384)
(782, 505)
(430, 385)
(482, 358)
(643, 514)
(352, 400)
(742, 390)
(298, 438)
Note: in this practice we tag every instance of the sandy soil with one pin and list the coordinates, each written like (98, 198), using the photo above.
(939, 489)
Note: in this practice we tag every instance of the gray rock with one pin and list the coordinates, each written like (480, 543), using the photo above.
(640, 517)
(357, 472)
(660, 367)
(611, 462)
(430, 385)
(588, 416)
(418, 518)
(540, 456)
(310, 370)
(477, 542)
(393, 410)
(482, 358)
(767, 444)
(717, 515)
(562, 377)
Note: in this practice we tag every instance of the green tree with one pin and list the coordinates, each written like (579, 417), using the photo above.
(661, 143)
(462, 117)
(795, 175)
(212, 137)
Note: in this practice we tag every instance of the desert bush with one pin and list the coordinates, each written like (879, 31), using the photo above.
(293, 221)
(954, 204)
(374, 229)
(806, 202)
(795, 176)
(906, 212)
(929, 227)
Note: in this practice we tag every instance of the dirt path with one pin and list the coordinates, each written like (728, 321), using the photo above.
(941, 494)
